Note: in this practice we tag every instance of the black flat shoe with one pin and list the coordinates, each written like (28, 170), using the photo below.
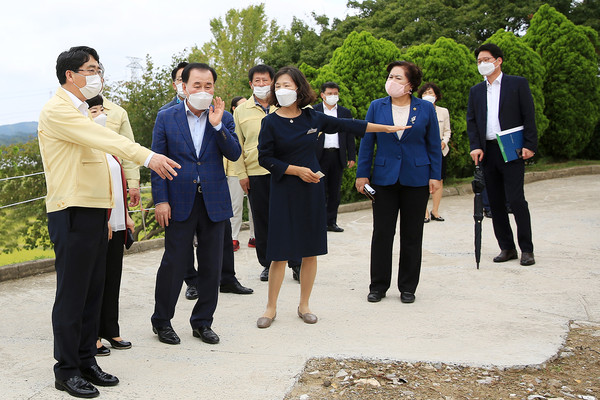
(95, 375)
(296, 273)
(375, 297)
(206, 334)
(236, 288)
(407, 297)
(438, 218)
(426, 220)
(264, 275)
(78, 387)
(103, 351)
(334, 228)
(119, 344)
(166, 334)
(506, 255)
(191, 293)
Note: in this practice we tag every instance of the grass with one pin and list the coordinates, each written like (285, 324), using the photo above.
(25, 255)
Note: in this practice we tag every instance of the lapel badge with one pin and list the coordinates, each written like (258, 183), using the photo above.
(412, 120)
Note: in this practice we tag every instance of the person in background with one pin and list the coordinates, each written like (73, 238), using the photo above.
(407, 168)
(254, 179)
(73, 148)
(432, 93)
(503, 102)
(235, 190)
(191, 292)
(298, 221)
(118, 224)
(335, 151)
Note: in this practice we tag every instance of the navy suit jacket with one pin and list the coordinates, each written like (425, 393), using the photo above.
(412, 160)
(346, 141)
(516, 108)
(172, 137)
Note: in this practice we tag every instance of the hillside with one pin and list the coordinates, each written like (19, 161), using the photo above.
(17, 133)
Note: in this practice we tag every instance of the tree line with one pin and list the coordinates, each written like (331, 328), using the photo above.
(553, 44)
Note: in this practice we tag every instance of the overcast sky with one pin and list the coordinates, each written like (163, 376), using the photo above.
(34, 33)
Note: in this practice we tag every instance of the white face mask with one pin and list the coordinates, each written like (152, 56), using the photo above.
(180, 91)
(486, 68)
(286, 97)
(262, 92)
(332, 99)
(429, 98)
(101, 119)
(200, 100)
(93, 86)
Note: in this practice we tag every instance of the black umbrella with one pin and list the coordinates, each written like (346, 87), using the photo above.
(478, 184)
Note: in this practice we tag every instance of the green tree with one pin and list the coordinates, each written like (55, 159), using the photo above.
(238, 42)
(452, 67)
(522, 60)
(23, 225)
(571, 83)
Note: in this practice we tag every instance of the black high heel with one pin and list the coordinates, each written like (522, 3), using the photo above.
(119, 345)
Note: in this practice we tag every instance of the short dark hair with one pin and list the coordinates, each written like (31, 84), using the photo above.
(72, 60)
(235, 100)
(185, 75)
(179, 66)
(305, 94)
(329, 85)
(261, 69)
(95, 101)
(494, 50)
(412, 71)
(432, 86)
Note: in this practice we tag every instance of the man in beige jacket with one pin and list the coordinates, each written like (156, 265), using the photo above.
(79, 196)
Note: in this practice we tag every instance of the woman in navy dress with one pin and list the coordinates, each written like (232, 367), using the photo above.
(297, 214)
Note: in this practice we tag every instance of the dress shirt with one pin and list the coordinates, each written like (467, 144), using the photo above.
(83, 107)
(493, 108)
(332, 140)
(400, 116)
(266, 110)
(197, 126)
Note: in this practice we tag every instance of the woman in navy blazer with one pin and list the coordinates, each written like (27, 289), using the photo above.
(406, 169)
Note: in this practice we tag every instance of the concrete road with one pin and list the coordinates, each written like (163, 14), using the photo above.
(502, 314)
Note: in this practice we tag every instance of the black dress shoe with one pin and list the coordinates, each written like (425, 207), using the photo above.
(487, 213)
(95, 375)
(166, 334)
(296, 273)
(264, 275)
(506, 255)
(375, 297)
(334, 228)
(527, 259)
(191, 293)
(236, 288)
(438, 218)
(119, 344)
(407, 297)
(78, 387)
(103, 351)
(206, 334)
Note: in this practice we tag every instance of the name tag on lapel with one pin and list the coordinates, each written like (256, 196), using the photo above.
(311, 130)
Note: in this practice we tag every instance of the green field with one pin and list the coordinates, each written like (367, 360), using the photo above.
(25, 255)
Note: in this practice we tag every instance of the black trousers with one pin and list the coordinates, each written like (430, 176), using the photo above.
(330, 166)
(190, 271)
(260, 190)
(504, 184)
(411, 202)
(80, 237)
(109, 313)
(228, 269)
(169, 278)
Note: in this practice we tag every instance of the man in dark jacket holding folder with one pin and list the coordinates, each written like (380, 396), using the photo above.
(500, 103)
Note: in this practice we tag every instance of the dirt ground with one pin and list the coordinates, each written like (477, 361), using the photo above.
(574, 373)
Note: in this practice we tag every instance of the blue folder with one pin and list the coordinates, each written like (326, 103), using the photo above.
(511, 143)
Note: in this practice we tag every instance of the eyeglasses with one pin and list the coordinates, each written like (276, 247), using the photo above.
(485, 59)
(92, 71)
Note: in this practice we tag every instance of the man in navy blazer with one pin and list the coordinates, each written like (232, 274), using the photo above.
(198, 136)
(335, 151)
(499, 103)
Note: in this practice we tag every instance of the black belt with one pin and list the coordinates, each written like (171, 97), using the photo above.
(331, 149)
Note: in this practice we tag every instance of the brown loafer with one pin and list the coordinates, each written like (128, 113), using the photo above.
(506, 255)
(308, 318)
(265, 322)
